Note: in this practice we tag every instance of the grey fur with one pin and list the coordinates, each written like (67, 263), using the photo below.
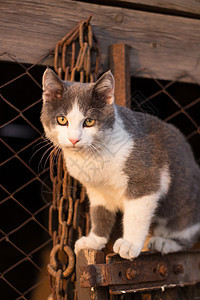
(102, 220)
(156, 144)
(59, 97)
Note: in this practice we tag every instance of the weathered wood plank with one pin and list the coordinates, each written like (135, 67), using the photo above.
(181, 6)
(168, 46)
(119, 65)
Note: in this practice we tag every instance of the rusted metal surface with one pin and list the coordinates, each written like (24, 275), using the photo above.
(119, 64)
(76, 58)
(93, 258)
(68, 64)
(54, 263)
(131, 273)
(147, 272)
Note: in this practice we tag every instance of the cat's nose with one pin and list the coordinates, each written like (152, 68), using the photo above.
(74, 141)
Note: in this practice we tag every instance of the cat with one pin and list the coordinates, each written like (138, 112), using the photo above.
(128, 161)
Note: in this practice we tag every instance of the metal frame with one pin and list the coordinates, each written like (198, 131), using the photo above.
(149, 271)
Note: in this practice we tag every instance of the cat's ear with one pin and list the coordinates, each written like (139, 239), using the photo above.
(52, 86)
(104, 87)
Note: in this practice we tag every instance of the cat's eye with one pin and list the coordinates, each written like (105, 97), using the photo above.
(89, 122)
(62, 121)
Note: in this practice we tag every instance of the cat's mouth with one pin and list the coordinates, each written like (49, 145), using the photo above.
(74, 147)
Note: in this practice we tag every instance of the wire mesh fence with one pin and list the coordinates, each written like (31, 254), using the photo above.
(24, 180)
(26, 189)
(174, 101)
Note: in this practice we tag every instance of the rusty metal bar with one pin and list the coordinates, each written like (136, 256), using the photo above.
(89, 257)
(119, 64)
(149, 271)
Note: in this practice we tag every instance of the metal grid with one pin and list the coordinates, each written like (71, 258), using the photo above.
(25, 188)
(26, 192)
(176, 102)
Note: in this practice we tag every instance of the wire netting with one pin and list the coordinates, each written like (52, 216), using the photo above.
(26, 191)
(176, 102)
(24, 181)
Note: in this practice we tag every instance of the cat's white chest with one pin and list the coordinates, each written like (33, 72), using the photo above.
(102, 168)
(84, 166)
(95, 170)
(102, 172)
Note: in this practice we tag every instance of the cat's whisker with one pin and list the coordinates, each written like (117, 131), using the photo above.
(100, 157)
(96, 150)
(54, 153)
(45, 153)
(100, 153)
(46, 143)
(40, 143)
(93, 150)
(48, 157)
(103, 149)
(39, 149)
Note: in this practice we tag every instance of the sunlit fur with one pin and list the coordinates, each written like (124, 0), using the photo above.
(129, 162)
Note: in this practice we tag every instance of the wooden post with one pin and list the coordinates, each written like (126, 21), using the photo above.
(120, 67)
(86, 257)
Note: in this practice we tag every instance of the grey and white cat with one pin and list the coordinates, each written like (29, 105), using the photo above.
(129, 162)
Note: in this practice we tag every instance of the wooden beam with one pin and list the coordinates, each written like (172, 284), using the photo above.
(178, 6)
(119, 64)
(163, 46)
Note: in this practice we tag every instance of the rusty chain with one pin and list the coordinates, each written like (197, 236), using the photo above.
(77, 58)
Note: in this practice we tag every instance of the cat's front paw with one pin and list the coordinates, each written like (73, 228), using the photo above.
(163, 245)
(126, 249)
(92, 241)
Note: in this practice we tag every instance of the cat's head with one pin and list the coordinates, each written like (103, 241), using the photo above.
(74, 114)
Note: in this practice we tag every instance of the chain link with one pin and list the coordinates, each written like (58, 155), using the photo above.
(77, 58)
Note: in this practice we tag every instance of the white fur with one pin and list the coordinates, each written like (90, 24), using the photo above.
(108, 196)
(162, 240)
(75, 118)
(91, 241)
(187, 233)
(101, 172)
(127, 249)
(75, 130)
(163, 245)
(137, 218)
(165, 180)
(163, 231)
(138, 214)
